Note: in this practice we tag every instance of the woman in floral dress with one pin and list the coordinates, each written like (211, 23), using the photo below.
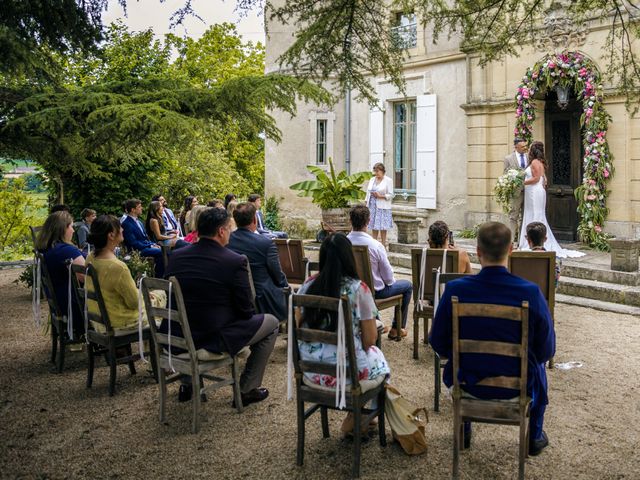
(338, 277)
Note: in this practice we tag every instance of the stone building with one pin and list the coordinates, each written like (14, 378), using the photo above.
(444, 143)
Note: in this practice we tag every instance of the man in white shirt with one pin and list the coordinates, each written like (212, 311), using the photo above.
(384, 283)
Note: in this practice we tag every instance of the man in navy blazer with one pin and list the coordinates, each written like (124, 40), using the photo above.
(261, 226)
(135, 237)
(494, 284)
(268, 278)
(217, 295)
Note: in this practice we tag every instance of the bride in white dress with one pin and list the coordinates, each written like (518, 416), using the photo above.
(535, 202)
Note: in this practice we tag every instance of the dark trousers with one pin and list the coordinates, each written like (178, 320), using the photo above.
(156, 254)
(400, 287)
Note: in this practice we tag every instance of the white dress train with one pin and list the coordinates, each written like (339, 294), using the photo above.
(535, 203)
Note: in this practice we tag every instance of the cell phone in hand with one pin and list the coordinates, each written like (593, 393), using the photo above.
(451, 238)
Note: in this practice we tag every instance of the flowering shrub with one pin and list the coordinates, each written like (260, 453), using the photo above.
(507, 187)
(574, 70)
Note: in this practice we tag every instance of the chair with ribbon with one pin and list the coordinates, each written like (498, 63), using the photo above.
(438, 361)
(61, 334)
(423, 262)
(194, 363)
(503, 412)
(294, 264)
(101, 337)
(538, 267)
(363, 268)
(351, 397)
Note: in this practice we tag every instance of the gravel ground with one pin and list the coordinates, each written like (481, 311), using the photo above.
(53, 427)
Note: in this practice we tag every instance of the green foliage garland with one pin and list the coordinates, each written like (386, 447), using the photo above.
(580, 73)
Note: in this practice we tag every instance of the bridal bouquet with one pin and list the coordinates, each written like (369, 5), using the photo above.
(507, 187)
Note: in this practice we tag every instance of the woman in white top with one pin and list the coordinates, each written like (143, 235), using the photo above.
(378, 199)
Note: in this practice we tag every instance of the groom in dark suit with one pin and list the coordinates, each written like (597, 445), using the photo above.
(494, 284)
(135, 236)
(518, 160)
(268, 278)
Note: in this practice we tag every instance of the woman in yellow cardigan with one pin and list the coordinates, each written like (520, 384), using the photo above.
(116, 284)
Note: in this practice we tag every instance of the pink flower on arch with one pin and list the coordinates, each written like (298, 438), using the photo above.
(606, 173)
(552, 64)
(525, 92)
(597, 228)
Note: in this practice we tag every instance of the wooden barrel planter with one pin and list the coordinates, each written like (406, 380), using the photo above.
(336, 219)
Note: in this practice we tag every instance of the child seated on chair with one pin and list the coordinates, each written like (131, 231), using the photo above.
(536, 236)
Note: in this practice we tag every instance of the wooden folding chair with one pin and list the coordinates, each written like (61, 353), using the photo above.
(358, 393)
(195, 363)
(101, 336)
(59, 336)
(424, 287)
(438, 361)
(292, 260)
(469, 409)
(363, 268)
(539, 268)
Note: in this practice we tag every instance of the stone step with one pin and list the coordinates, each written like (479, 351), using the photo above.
(602, 291)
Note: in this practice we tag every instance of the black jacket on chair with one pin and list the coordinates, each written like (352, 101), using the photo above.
(268, 278)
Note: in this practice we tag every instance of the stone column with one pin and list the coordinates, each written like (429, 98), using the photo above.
(407, 230)
(624, 254)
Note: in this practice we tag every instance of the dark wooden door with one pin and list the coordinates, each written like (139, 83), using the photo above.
(563, 151)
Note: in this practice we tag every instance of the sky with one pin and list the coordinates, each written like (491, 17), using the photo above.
(142, 14)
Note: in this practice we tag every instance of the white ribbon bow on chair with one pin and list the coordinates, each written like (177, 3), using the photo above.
(140, 341)
(341, 362)
(35, 291)
(423, 267)
(290, 321)
(69, 305)
(436, 293)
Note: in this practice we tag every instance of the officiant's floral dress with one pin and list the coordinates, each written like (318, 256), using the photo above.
(371, 363)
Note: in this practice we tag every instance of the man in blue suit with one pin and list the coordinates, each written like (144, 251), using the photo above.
(135, 237)
(268, 278)
(261, 227)
(494, 284)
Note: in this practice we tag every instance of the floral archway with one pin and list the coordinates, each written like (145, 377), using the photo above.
(574, 70)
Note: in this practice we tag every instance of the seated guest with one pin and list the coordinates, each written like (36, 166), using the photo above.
(230, 209)
(54, 242)
(157, 231)
(88, 216)
(185, 214)
(338, 277)
(262, 228)
(217, 295)
(216, 203)
(494, 284)
(536, 236)
(268, 278)
(169, 219)
(439, 237)
(135, 237)
(116, 283)
(59, 208)
(228, 198)
(192, 237)
(384, 283)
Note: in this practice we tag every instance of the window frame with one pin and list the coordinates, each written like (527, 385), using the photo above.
(409, 147)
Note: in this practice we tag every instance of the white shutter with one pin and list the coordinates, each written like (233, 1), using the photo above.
(376, 137)
(426, 151)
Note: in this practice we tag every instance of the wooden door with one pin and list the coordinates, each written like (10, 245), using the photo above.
(563, 151)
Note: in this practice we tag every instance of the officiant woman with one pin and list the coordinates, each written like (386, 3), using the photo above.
(378, 199)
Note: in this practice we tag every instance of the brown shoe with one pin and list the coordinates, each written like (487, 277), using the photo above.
(393, 334)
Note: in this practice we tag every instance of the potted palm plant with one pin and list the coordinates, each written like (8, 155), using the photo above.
(333, 193)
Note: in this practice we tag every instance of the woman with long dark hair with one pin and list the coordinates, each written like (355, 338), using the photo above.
(54, 242)
(185, 214)
(338, 277)
(535, 202)
(116, 284)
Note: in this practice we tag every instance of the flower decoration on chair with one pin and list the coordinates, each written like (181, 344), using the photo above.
(574, 70)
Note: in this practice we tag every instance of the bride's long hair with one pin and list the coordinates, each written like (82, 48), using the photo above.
(536, 152)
